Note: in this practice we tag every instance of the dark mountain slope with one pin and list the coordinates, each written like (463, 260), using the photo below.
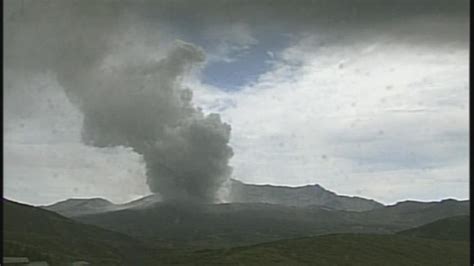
(224, 225)
(42, 233)
(412, 213)
(452, 228)
(340, 249)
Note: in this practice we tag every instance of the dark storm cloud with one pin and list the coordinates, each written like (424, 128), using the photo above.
(435, 20)
(41, 28)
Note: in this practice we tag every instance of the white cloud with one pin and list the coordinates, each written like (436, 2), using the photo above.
(353, 118)
(231, 41)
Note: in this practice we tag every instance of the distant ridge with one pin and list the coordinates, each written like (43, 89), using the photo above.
(77, 207)
(299, 197)
(74, 207)
(304, 196)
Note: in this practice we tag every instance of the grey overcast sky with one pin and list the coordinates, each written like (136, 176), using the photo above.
(364, 97)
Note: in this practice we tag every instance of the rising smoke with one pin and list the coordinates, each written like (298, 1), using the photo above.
(145, 107)
(142, 104)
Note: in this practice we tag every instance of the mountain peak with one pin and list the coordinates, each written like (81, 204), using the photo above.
(300, 196)
(240, 192)
(80, 206)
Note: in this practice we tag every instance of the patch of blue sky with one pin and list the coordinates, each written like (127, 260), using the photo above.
(246, 65)
(239, 67)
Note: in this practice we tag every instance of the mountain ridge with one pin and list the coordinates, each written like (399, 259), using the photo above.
(301, 196)
(232, 224)
(179, 233)
(298, 196)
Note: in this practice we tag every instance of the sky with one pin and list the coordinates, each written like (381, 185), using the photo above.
(366, 98)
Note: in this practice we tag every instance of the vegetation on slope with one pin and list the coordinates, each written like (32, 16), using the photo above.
(338, 249)
(44, 235)
(452, 228)
(237, 224)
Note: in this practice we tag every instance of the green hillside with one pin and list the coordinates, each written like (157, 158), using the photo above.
(237, 224)
(339, 249)
(44, 235)
(451, 228)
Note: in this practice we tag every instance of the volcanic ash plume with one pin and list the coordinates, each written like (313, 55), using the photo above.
(144, 107)
(138, 103)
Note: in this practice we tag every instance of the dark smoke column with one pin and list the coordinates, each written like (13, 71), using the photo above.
(145, 107)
